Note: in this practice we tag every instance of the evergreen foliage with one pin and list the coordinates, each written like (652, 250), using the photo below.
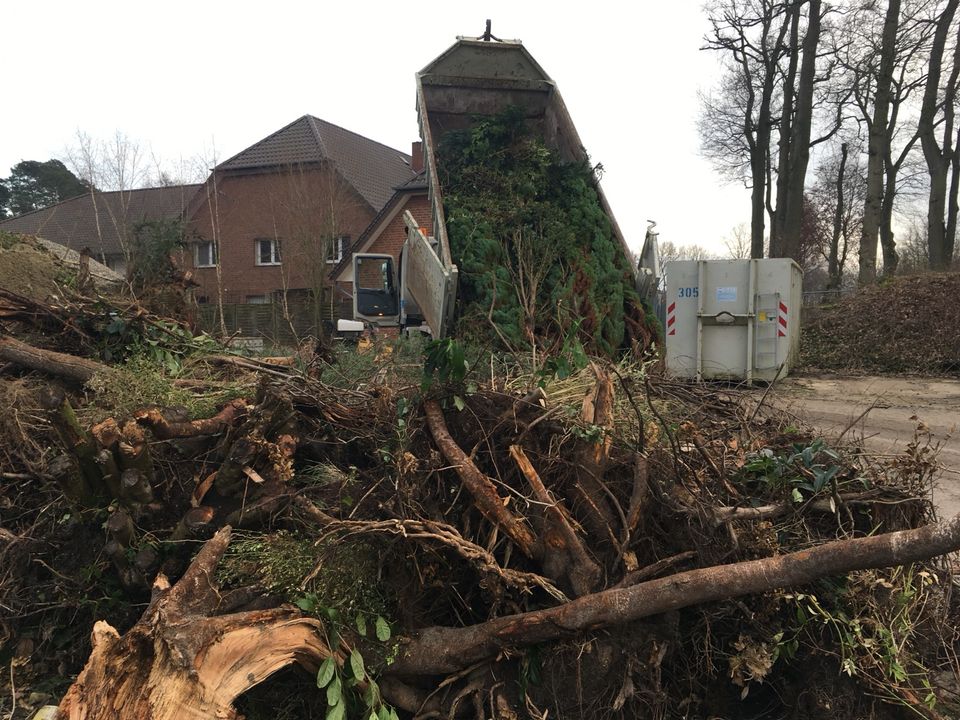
(154, 241)
(33, 185)
(533, 245)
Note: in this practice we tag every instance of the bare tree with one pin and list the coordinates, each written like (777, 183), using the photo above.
(796, 123)
(750, 34)
(939, 107)
(114, 164)
(837, 196)
(883, 65)
(738, 242)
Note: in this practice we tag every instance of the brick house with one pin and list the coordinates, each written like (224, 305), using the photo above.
(285, 211)
(103, 221)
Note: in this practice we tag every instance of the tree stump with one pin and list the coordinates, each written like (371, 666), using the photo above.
(183, 662)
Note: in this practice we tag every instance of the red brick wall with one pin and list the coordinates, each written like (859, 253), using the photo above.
(390, 241)
(297, 206)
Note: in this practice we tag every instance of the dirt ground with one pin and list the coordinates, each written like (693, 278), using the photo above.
(834, 403)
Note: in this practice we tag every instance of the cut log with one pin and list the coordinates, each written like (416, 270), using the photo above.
(180, 661)
(442, 650)
(49, 361)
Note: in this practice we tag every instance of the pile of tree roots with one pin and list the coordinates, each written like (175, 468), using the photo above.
(196, 534)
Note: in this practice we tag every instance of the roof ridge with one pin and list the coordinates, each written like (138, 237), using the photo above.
(86, 193)
(262, 140)
(317, 136)
(356, 134)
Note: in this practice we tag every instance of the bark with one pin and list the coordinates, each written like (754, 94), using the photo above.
(167, 429)
(592, 503)
(481, 487)
(799, 152)
(81, 446)
(182, 662)
(564, 552)
(834, 266)
(440, 650)
(778, 222)
(49, 361)
(878, 146)
(938, 158)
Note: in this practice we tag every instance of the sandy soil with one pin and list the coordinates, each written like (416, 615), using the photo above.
(834, 404)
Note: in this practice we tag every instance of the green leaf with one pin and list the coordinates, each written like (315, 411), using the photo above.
(362, 625)
(356, 664)
(371, 694)
(458, 402)
(325, 673)
(796, 496)
(334, 692)
(383, 629)
(337, 712)
(307, 603)
(383, 713)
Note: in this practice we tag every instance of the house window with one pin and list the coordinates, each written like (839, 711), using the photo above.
(204, 254)
(257, 300)
(338, 248)
(268, 252)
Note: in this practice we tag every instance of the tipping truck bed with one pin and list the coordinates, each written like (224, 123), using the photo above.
(478, 77)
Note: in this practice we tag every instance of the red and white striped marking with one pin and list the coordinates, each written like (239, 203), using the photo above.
(782, 320)
(671, 319)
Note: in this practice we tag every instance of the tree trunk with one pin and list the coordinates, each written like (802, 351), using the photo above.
(938, 159)
(877, 147)
(49, 361)
(181, 662)
(778, 223)
(800, 138)
(888, 243)
(441, 650)
(833, 260)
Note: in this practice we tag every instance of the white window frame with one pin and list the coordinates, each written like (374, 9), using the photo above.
(196, 254)
(275, 255)
(340, 244)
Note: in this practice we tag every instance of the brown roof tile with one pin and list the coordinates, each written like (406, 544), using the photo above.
(373, 169)
(73, 222)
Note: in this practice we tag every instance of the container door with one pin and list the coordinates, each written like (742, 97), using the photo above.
(765, 341)
(724, 318)
(375, 296)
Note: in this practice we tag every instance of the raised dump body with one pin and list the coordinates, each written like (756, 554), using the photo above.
(475, 77)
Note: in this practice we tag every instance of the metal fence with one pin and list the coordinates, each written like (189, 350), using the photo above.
(825, 297)
(274, 323)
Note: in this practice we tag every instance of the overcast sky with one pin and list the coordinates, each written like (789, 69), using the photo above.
(191, 78)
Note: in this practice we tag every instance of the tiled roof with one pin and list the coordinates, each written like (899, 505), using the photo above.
(373, 169)
(73, 222)
(418, 183)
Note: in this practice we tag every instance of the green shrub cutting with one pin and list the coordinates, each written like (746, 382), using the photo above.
(533, 245)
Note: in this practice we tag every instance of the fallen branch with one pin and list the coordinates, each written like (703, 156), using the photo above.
(49, 361)
(725, 514)
(165, 429)
(440, 650)
(561, 543)
(481, 487)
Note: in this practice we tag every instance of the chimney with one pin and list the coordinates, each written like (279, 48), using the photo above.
(416, 157)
